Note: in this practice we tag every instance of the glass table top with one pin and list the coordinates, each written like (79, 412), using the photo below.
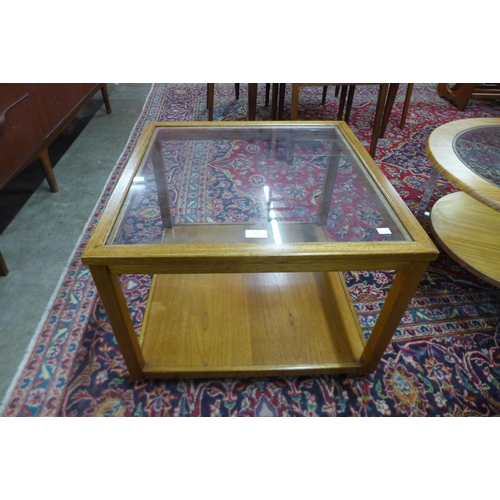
(479, 149)
(267, 185)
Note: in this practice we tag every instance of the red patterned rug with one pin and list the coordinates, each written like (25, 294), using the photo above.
(444, 359)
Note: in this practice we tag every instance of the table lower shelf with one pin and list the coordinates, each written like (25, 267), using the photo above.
(229, 325)
(470, 232)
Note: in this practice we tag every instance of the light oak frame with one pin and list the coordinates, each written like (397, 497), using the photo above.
(312, 294)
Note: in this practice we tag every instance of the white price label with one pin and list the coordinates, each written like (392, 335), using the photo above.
(256, 233)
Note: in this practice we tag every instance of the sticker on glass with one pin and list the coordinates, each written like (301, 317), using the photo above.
(256, 233)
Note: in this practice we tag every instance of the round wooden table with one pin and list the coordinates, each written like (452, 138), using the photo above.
(467, 224)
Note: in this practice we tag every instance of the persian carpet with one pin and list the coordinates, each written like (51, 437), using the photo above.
(444, 359)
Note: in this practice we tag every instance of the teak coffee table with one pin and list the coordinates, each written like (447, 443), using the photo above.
(247, 228)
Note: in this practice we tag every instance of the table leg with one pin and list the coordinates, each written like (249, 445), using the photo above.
(429, 189)
(110, 291)
(327, 192)
(402, 290)
(161, 185)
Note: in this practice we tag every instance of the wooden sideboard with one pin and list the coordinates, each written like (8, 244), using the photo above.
(32, 115)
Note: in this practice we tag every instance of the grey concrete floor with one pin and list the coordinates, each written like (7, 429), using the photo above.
(39, 239)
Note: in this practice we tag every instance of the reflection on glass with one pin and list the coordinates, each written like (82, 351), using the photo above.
(269, 185)
(479, 150)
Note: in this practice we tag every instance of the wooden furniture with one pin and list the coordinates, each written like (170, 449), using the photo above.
(467, 224)
(32, 115)
(391, 97)
(461, 93)
(262, 293)
(3, 266)
(379, 111)
(469, 231)
(252, 99)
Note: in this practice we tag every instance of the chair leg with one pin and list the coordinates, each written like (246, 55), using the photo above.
(268, 92)
(252, 101)
(382, 95)
(323, 99)
(350, 97)
(406, 105)
(274, 101)
(281, 105)
(337, 88)
(237, 90)
(391, 97)
(342, 102)
(294, 109)
(210, 100)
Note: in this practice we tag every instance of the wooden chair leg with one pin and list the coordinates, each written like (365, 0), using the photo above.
(3, 266)
(237, 90)
(337, 89)
(343, 93)
(350, 97)
(294, 109)
(274, 101)
(323, 99)
(391, 97)
(268, 92)
(382, 96)
(406, 105)
(252, 101)
(281, 105)
(210, 100)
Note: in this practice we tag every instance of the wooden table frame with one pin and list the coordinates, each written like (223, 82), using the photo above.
(309, 277)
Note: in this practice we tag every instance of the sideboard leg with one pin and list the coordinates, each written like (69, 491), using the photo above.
(3, 266)
(47, 170)
(105, 96)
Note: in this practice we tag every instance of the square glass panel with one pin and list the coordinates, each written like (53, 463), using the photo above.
(262, 184)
